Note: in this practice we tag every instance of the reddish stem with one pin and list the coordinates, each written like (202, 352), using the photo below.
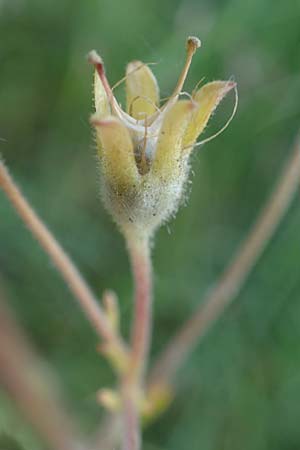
(131, 421)
(141, 329)
(131, 382)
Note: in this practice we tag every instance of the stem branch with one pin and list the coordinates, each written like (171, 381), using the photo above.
(234, 276)
(64, 265)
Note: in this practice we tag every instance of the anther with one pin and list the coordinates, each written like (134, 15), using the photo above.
(193, 43)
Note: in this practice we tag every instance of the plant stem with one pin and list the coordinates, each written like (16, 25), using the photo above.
(64, 265)
(131, 419)
(132, 380)
(227, 287)
(234, 276)
(28, 384)
(107, 436)
(141, 329)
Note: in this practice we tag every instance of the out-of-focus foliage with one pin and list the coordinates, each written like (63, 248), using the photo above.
(241, 387)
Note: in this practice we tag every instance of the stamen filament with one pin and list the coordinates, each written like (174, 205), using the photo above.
(117, 84)
(192, 44)
(231, 85)
(144, 98)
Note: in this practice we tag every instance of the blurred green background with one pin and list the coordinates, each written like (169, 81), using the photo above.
(241, 387)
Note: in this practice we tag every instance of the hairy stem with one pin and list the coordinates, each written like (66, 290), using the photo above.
(235, 275)
(64, 265)
(132, 380)
(141, 328)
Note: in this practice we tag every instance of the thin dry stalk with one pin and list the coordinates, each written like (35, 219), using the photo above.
(235, 275)
(30, 386)
(64, 265)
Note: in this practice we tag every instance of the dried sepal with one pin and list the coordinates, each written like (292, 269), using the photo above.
(167, 160)
(142, 92)
(116, 153)
(207, 99)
